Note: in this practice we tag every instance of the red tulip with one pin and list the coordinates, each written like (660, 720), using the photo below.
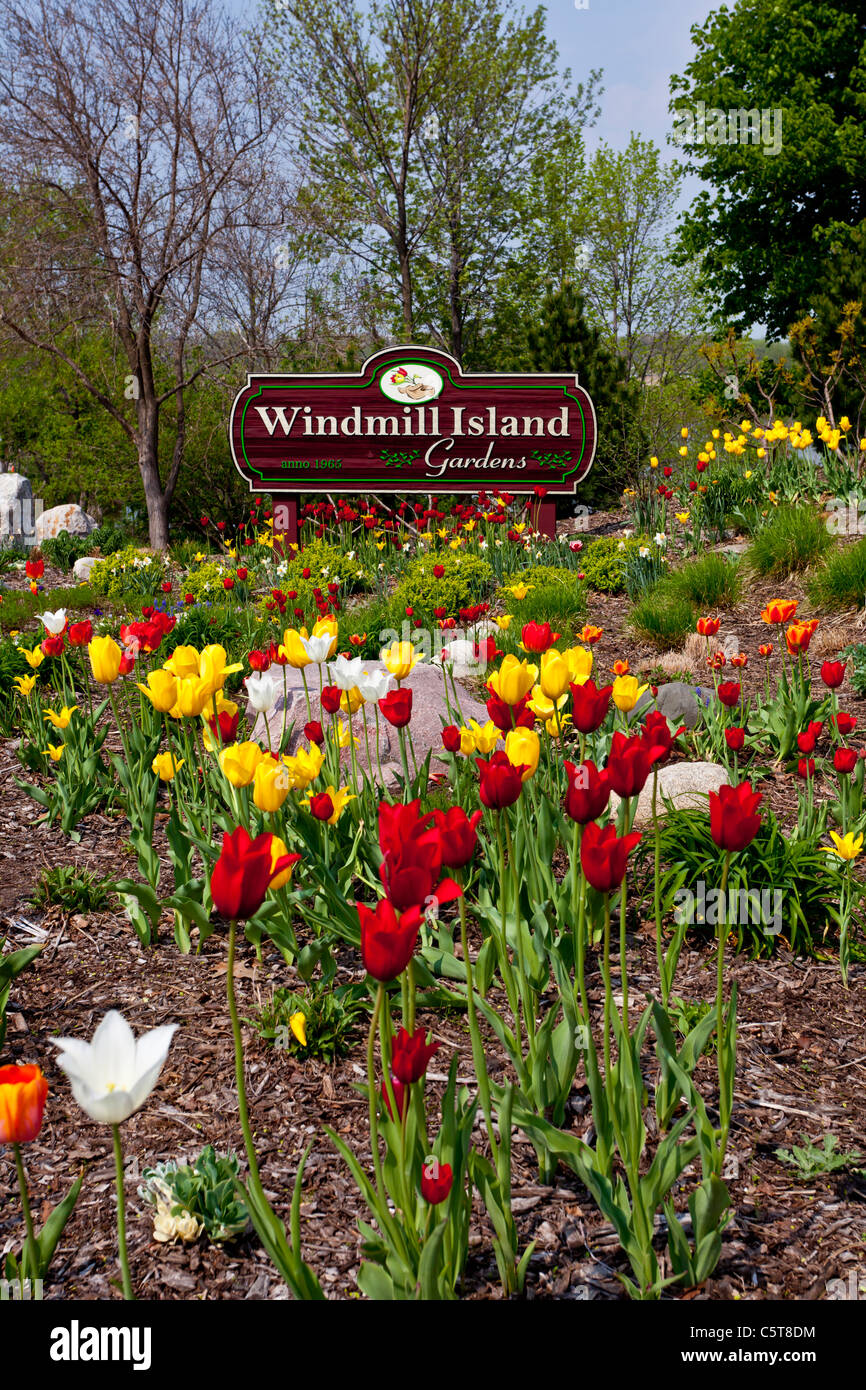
(243, 873)
(501, 781)
(630, 763)
(224, 726)
(22, 1102)
(656, 733)
(438, 571)
(436, 1182)
(34, 569)
(833, 673)
(127, 663)
(331, 697)
(806, 768)
(845, 723)
(314, 733)
(451, 738)
(80, 634)
(166, 586)
(458, 835)
(845, 760)
(401, 1097)
(708, 627)
(259, 661)
(604, 855)
(589, 706)
(735, 738)
(729, 693)
(53, 646)
(587, 793)
(806, 742)
(228, 583)
(410, 1055)
(507, 717)
(321, 806)
(537, 637)
(734, 820)
(242, 573)
(387, 940)
(397, 707)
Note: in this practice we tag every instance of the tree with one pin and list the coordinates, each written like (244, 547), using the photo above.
(781, 141)
(143, 126)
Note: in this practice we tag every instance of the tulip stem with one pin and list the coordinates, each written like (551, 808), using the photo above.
(608, 998)
(657, 890)
(720, 1048)
(255, 1181)
(478, 1056)
(121, 1215)
(30, 1246)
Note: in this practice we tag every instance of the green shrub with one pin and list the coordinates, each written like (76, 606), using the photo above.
(327, 564)
(466, 580)
(64, 549)
(205, 582)
(206, 1190)
(841, 581)
(711, 581)
(793, 540)
(662, 618)
(603, 562)
(129, 574)
(555, 595)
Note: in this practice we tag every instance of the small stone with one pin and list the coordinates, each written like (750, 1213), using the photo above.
(83, 568)
(684, 784)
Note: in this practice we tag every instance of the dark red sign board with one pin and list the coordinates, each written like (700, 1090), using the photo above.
(412, 421)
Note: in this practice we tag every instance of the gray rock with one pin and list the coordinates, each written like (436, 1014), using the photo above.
(83, 568)
(69, 518)
(17, 510)
(683, 784)
(678, 701)
(429, 710)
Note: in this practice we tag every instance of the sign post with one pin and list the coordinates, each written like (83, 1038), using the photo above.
(412, 421)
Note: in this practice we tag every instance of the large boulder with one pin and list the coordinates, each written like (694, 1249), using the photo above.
(16, 510)
(429, 710)
(69, 518)
(685, 785)
(678, 701)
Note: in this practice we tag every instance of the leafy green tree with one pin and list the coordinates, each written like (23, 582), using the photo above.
(786, 168)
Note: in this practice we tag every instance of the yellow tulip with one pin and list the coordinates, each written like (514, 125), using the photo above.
(24, 684)
(278, 850)
(33, 658)
(504, 621)
(467, 742)
(351, 700)
(192, 696)
(400, 658)
(61, 720)
(846, 847)
(555, 675)
(343, 731)
(523, 746)
(213, 669)
(513, 680)
(485, 737)
(105, 656)
(298, 1025)
(323, 626)
(627, 692)
(183, 662)
(161, 690)
(293, 648)
(579, 662)
(304, 767)
(55, 751)
(555, 726)
(520, 591)
(239, 762)
(165, 765)
(270, 785)
(542, 707)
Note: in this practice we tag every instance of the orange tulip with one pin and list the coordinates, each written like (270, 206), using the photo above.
(766, 649)
(708, 627)
(620, 668)
(779, 610)
(591, 634)
(22, 1101)
(799, 635)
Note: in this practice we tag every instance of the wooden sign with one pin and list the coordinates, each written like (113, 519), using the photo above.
(412, 421)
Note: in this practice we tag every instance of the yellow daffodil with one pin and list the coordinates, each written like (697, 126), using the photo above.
(298, 1025)
(279, 849)
(61, 720)
(400, 658)
(161, 690)
(55, 751)
(24, 684)
(519, 591)
(239, 762)
(555, 675)
(485, 737)
(304, 767)
(513, 680)
(846, 847)
(627, 692)
(523, 746)
(183, 662)
(165, 765)
(270, 785)
(105, 656)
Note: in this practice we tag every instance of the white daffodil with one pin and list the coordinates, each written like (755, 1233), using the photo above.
(112, 1076)
(262, 691)
(375, 685)
(346, 673)
(644, 552)
(660, 538)
(54, 622)
(317, 648)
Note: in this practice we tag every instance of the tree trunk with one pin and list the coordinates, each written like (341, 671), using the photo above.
(148, 465)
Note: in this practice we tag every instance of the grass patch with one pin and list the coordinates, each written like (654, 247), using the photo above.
(662, 618)
(19, 606)
(791, 542)
(841, 581)
(73, 889)
(711, 581)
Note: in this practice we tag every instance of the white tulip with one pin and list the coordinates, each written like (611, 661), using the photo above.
(54, 622)
(262, 691)
(347, 674)
(375, 685)
(317, 648)
(112, 1076)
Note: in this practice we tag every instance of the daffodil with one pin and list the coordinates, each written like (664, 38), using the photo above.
(61, 720)
(846, 846)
